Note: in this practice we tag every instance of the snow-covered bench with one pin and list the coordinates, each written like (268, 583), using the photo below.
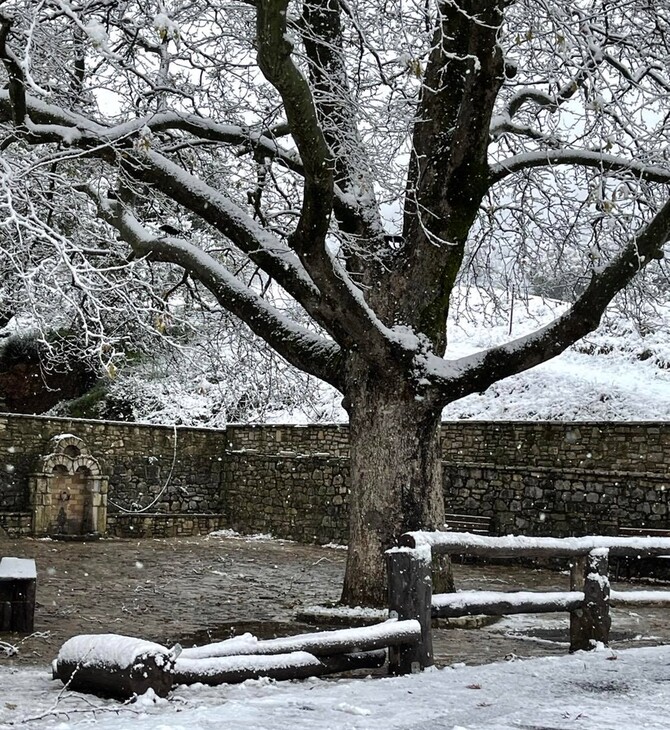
(628, 567)
(588, 600)
(18, 582)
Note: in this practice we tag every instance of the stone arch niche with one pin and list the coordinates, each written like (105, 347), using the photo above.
(68, 491)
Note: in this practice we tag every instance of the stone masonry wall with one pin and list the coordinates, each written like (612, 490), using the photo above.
(538, 478)
(638, 447)
(558, 478)
(143, 462)
(301, 498)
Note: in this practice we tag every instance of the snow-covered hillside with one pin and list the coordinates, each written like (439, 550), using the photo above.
(620, 372)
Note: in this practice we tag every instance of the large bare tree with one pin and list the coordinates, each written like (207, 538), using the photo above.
(357, 155)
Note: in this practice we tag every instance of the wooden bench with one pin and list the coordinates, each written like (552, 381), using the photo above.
(643, 532)
(467, 523)
(630, 568)
(18, 581)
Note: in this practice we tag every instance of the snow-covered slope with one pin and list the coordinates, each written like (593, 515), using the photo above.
(621, 372)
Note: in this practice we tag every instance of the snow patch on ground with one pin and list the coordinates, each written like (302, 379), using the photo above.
(228, 534)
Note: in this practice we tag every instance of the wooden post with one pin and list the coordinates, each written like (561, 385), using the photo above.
(410, 597)
(591, 623)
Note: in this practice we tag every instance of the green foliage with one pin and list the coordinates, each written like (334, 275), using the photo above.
(18, 349)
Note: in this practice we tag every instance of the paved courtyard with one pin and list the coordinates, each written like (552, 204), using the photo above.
(196, 589)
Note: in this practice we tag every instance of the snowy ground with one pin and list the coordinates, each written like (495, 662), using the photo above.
(601, 690)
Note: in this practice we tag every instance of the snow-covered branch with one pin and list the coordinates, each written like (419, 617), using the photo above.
(585, 158)
(477, 372)
(298, 345)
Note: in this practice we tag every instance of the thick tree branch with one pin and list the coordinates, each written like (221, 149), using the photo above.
(219, 211)
(349, 318)
(476, 373)
(50, 123)
(301, 347)
(338, 118)
(16, 91)
(342, 311)
(583, 158)
(53, 124)
(449, 168)
(274, 60)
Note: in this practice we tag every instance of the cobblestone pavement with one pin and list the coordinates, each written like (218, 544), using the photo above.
(194, 589)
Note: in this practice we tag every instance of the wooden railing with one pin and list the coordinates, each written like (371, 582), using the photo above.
(588, 601)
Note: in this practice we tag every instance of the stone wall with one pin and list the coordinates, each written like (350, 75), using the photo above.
(16, 524)
(294, 497)
(637, 447)
(324, 440)
(558, 478)
(179, 468)
(560, 503)
(162, 524)
(538, 478)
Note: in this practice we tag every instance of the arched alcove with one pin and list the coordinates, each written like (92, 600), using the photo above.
(68, 490)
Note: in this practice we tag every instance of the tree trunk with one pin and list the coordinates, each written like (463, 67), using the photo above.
(396, 477)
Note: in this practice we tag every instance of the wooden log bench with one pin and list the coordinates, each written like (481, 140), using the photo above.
(110, 665)
(588, 601)
(18, 582)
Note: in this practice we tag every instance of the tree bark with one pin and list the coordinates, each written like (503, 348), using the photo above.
(396, 476)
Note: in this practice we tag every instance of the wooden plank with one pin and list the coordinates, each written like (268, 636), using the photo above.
(467, 523)
(643, 532)
(639, 598)
(454, 543)
(6, 616)
(319, 644)
(17, 594)
(295, 665)
(498, 603)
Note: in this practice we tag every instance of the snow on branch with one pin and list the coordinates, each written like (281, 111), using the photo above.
(584, 158)
(475, 373)
(297, 344)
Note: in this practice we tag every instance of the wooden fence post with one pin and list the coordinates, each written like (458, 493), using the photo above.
(591, 622)
(410, 597)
